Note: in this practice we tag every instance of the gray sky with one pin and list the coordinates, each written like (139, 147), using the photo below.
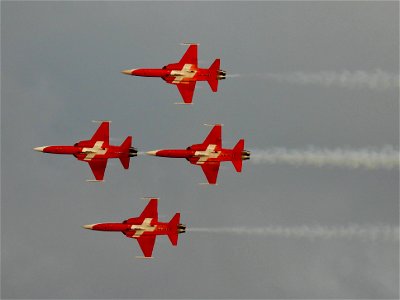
(60, 70)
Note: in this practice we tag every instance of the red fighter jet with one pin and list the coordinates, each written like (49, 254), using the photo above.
(145, 228)
(209, 154)
(97, 151)
(185, 74)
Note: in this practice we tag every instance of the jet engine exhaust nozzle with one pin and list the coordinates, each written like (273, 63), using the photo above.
(181, 228)
(221, 75)
(245, 154)
(222, 72)
(132, 152)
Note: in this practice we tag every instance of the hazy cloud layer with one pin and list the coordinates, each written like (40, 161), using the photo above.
(61, 64)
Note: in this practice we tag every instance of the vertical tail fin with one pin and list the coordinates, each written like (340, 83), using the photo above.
(213, 75)
(125, 146)
(237, 155)
(173, 224)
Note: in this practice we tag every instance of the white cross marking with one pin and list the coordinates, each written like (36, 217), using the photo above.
(186, 72)
(145, 226)
(96, 150)
(207, 154)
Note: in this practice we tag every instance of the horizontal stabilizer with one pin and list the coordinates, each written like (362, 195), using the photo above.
(126, 144)
(238, 165)
(125, 160)
(213, 75)
(237, 155)
(173, 236)
(239, 147)
(125, 152)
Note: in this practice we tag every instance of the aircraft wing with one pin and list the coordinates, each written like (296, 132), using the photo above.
(211, 171)
(102, 133)
(150, 211)
(187, 90)
(214, 137)
(98, 167)
(146, 243)
(190, 56)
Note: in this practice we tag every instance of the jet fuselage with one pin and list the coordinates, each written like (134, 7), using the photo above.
(80, 149)
(129, 229)
(188, 73)
(211, 153)
(145, 228)
(185, 73)
(96, 151)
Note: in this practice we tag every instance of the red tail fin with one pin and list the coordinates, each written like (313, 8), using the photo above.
(237, 155)
(173, 224)
(125, 146)
(213, 75)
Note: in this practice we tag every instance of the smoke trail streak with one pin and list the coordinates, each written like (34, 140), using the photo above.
(386, 158)
(233, 75)
(377, 80)
(364, 233)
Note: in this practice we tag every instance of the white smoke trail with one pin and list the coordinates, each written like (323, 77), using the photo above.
(385, 158)
(233, 75)
(377, 80)
(364, 233)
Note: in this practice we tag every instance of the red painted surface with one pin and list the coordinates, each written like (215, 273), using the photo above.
(185, 83)
(209, 159)
(98, 161)
(132, 228)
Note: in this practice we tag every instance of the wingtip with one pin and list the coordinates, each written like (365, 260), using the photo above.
(188, 44)
(212, 125)
(101, 121)
(149, 198)
(183, 103)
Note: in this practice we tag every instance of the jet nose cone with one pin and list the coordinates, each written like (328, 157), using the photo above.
(88, 226)
(128, 72)
(40, 149)
(154, 153)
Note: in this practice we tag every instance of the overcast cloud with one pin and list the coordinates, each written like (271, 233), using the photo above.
(61, 64)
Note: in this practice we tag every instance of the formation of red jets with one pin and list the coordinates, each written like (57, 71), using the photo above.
(208, 155)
